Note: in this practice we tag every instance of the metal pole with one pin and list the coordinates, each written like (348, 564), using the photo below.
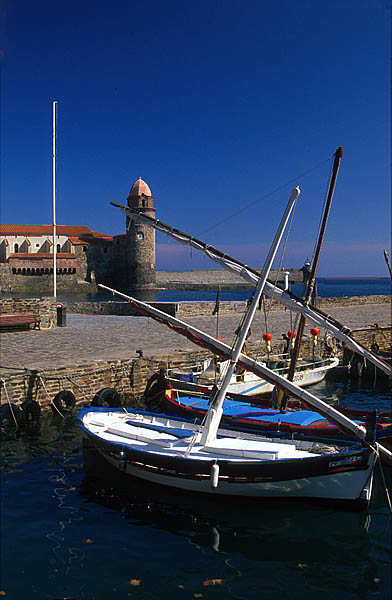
(54, 199)
(215, 412)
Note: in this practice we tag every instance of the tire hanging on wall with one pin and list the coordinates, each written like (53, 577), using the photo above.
(31, 411)
(11, 415)
(63, 402)
(107, 397)
(155, 388)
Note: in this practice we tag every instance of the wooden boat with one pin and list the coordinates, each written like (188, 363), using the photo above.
(244, 415)
(307, 372)
(357, 365)
(156, 448)
(206, 458)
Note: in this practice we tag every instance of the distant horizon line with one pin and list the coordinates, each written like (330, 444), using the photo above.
(353, 278)
(317, 277)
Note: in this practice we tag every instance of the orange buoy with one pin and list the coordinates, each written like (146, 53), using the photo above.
(314, 331)
(267, 337)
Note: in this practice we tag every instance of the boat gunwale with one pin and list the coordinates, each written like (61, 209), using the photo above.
(310, 466)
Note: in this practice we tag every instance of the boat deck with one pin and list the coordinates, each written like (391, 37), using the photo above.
(159, 434)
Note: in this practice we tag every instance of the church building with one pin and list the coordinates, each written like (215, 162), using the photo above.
(83, 257)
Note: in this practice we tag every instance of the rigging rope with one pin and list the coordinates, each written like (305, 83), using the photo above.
(279, 187)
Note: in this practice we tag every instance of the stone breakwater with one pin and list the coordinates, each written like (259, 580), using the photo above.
(95, 351)
(199, 308)
(209, 279)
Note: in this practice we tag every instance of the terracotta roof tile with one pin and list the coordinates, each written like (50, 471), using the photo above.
(41, 255)
(76, 231)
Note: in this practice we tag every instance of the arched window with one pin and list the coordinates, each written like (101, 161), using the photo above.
(58, 248)
(16, 248)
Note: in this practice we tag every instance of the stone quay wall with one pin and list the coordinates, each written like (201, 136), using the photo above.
(199, 308)
(179, 309)
(45, 308)
(128, 377)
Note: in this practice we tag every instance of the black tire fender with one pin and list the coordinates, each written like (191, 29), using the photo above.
(31, 411)
(107, 397)
(10, 415)
(155, 388)
(63, 402)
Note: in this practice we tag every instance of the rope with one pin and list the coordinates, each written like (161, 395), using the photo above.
(44, 386)
(9, 402)
(383, 478)
(279, 187)
(51, 401)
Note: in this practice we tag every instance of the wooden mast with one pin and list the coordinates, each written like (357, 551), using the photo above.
(282, 399)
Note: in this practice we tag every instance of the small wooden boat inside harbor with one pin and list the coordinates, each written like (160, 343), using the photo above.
(307, 372)
(356, 365)
(177, 453)
(244, 415)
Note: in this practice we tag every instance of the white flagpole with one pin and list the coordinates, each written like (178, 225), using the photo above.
(54, 199)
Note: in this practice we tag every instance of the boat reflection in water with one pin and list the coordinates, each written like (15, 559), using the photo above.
(247, 545)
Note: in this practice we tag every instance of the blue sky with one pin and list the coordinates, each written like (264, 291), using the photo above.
(215, 104)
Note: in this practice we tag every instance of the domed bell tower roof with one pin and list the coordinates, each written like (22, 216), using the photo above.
(140, 198)
(139, 187)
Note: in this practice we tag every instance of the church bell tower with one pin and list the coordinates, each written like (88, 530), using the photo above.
(140, 239)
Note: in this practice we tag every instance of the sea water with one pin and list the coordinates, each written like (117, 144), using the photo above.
(72, 534)
(326, 288)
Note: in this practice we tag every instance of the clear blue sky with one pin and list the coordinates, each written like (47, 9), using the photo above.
(214, 104)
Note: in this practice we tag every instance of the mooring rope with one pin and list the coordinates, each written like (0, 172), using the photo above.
(9, 402)
(383, 479)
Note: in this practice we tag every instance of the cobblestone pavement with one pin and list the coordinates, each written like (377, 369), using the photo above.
(88, 338)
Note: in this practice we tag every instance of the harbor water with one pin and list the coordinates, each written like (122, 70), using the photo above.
(76, 534)
(68, 533)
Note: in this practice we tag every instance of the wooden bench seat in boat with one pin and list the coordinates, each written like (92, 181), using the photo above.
(149, 433)
(251, 449)
(20, 321)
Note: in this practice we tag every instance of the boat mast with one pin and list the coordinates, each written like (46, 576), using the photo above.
(54, 199)
(282, 399)
(386, 256)
(215, 412)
